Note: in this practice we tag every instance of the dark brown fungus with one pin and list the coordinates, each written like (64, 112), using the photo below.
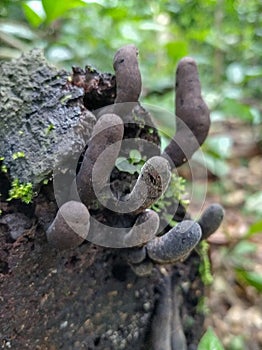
(144, 229)
(70, 226)
(176, 244)
(167, 330)
(105, 142)
(178, 339)
(143, 269)
(128, 77)
(151, 184)
(211, 219)
(160, 337)
(134, 255)
(192, 114)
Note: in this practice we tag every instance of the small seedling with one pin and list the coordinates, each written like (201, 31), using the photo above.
(133, 164)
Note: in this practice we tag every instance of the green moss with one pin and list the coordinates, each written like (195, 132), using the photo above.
(18, 154)
(23, 191)
(175, 192)
(205, 265)
(4, 168)
(49, 129)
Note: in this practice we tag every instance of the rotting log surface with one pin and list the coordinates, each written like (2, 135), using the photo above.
(41, 116)
(86, 298)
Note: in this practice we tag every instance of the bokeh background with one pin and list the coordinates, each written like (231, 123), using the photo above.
(225, 38)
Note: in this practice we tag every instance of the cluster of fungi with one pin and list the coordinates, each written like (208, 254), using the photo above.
(104, 202)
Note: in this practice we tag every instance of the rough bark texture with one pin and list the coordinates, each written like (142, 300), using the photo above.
(41, 116)
(86, 298)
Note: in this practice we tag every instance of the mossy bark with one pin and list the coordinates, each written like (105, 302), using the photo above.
(42, 117)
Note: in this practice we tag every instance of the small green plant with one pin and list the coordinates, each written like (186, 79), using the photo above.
(23, 191)
(133, 164)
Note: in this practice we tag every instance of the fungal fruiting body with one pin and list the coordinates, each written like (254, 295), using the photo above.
(106, 139)
(70, 226)
(192, 114)
(150, 185)
(93, 181)
(176, 244)
(128, 77)
(211, 219)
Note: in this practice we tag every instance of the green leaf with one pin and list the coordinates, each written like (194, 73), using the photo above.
(32, 16)
(176, 49)
(254, 228)
(55, 8)
(17, 30)
(251, 278)
(135, 156)
(123, 164)
(210, 341)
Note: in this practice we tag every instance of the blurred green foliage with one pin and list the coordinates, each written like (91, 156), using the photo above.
(224, 37)
(240, 258)
(210, 341)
